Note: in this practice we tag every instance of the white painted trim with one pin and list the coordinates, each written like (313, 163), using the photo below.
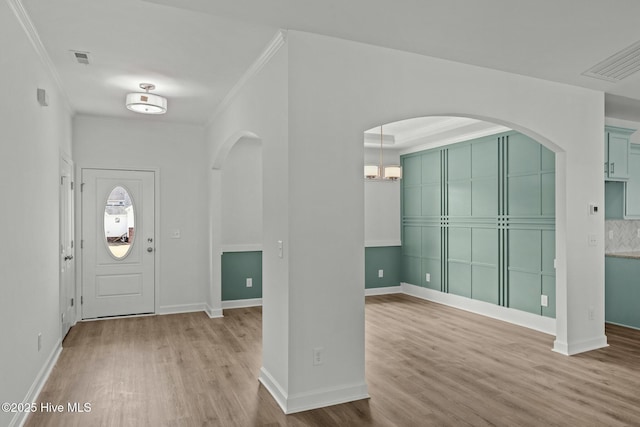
(182, 308)
(214, 313)
(383, 291)
(326, 397)
(32, 34)
(32, 395)
(242, 303)
(249, 247)
(569, 349)
(314, 399)
(278, 393)
(381, 243)
(270, 50)
(543, 324)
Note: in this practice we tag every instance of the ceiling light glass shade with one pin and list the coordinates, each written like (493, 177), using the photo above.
(393, 172)
(371, 171)
(146, 103)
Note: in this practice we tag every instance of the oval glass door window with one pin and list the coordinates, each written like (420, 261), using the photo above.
(119, 222)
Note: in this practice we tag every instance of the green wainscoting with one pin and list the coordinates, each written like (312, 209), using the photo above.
(622, 291)
(385, 258)
(236, 268)
(478, 220)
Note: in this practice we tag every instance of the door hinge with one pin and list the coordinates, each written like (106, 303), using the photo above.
(62, 180)
(61, 317)
(81, 299)
(72, 244)
(71, 185)
(72, 302)
(81, 244)
(82, 187)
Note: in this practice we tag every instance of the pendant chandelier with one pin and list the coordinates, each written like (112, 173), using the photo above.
(381, 172)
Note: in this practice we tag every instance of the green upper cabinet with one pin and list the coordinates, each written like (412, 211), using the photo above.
(632, 199)
(616, 153)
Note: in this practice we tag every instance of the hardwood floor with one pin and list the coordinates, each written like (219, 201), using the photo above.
(426, 364)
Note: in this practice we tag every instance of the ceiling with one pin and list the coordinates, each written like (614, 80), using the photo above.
(196, 51)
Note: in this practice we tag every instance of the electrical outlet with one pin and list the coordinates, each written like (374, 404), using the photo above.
(249, 282)
(544, 300)
(39, 341)
(318, 356)
(427, 277)
(380, 273)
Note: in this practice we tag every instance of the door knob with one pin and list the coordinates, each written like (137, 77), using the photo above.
(149, 249)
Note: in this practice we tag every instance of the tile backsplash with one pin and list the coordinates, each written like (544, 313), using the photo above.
(624, 236)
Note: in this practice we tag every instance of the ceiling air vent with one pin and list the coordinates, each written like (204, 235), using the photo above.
(618, 66)
(81, 57)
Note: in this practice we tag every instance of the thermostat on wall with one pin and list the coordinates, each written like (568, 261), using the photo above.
(593, 209)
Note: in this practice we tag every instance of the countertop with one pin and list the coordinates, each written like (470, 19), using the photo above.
(632, 255)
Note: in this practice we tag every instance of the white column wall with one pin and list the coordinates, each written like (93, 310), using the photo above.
(345, 87)
(32, 139)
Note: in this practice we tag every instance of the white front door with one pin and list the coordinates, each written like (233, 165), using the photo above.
(67, 250)
(118, 251)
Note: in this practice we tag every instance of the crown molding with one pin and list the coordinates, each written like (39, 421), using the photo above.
(30, 30)
(272, 48)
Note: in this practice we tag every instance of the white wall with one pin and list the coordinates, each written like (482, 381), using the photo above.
(242, 197)
(381, 203)
(178, 152)
(355, 86)
(32, 139)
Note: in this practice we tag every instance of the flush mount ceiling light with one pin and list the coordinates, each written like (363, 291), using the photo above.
(391, 173)
(145, 102)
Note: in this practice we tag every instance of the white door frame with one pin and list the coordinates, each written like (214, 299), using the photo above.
(66, 162)
(158, 236)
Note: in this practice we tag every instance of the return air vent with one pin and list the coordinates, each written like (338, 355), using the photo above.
(618, 66)
(81, 57)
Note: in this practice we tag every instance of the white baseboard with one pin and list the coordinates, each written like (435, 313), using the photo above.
(569, 349)
(242, 303)
(213, 313)
(182, 308)
(383, 291)
(32, 395)
(312, 400)
(543, 324)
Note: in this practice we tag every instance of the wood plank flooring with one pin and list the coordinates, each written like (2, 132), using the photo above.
(426, 365)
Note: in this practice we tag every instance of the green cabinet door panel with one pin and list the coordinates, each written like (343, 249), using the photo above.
(622, 291)
(618, 155)
(632, 203)
(614, 199)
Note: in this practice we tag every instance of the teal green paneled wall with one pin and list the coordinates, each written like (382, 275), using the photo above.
(385, 258)
(478, 220)
(236, 268)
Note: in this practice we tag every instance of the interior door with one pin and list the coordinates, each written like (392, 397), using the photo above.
(67, 250)
(118, 248)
